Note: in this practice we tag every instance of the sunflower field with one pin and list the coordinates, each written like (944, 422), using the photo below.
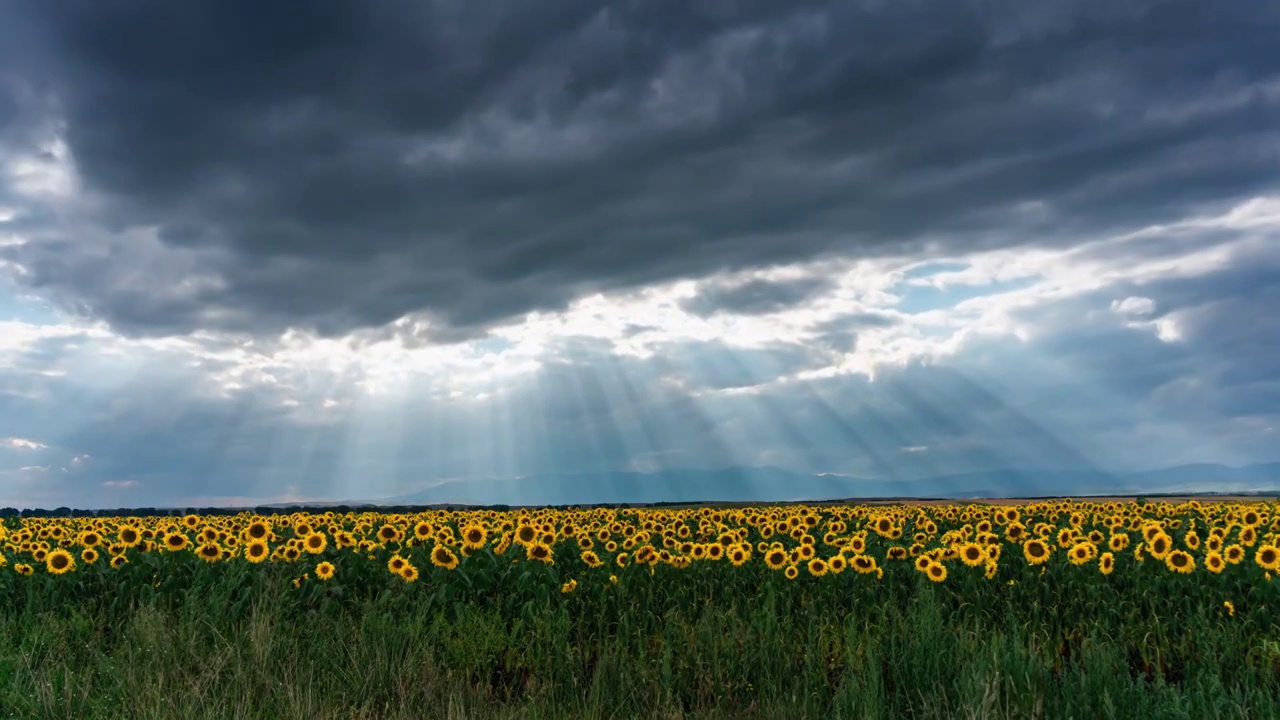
(1049, 609)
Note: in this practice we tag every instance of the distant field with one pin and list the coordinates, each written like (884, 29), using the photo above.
(996, 608)
(991, 501)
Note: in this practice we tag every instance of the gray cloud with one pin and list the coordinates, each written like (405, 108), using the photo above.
(337, 165)
(840, 334)
(753, 297)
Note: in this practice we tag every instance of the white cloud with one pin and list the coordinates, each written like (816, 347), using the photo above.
(22, 444)
(1134, 306)
(1167, 329)
(303, 372)
(47, 173)
(120, 484)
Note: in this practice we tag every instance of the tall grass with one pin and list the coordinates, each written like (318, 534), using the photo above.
(679, 644)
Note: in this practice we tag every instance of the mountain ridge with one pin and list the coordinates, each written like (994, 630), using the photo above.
(772, 484)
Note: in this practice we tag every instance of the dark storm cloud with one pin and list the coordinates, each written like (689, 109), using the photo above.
(339, 164)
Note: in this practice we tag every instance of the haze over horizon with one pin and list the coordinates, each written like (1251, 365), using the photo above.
(268, 252)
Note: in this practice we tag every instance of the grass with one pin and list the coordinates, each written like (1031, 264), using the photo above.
(674, 646)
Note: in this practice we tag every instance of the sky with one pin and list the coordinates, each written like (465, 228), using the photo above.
(276, 252)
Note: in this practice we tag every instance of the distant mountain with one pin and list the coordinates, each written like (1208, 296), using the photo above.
(771, 484)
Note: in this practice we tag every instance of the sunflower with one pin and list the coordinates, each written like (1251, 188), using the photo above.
(1180, 561)
(118, 561)
(23, 569)
(258, 529)
(474, 536)
(1267, 557)
(324, 570)
(991, 569)
(443, 557)
(89, 555)
(210, 552)
(59, 561)
(775, 558)
(1035, 551)
(1106, 563)
(398, 563)
(526, 534)
(315, 543)
(1248, 536)
(175, 541)
(409, 573)
(569, 587)
(836, 563)
(89, 538)
(591, 559)
(256, 551)
(422, 531)
(1214, 563)
(1151, 530)
(792, 572)
(864, 564)
(1159, 546)
(645, 555)
(540, 552)
(1081, 553)
(973, 554)
(292, 553)
(389, 533)
(1233, 554)
(937, 572)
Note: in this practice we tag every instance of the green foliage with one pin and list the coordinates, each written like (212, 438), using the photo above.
(170, 635)
(242, 642)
